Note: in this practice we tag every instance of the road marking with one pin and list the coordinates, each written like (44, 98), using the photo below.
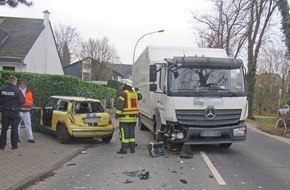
(213, 170)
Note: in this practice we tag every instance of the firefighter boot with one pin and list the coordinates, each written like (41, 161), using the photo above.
(122, 151)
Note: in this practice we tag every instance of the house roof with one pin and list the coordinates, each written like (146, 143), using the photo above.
(124, 69)
(17, 35)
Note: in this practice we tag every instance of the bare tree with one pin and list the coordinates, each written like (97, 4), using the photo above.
(66, 35)
(238, 23)
(274, 60)
(14, 3)
(259, 18)
(102, 53)
(225, 28)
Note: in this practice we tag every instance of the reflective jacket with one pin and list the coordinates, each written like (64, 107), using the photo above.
(28, 101)
(127, 106)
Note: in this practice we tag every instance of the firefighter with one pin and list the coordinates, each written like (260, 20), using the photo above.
(126, 113)
(11, 99)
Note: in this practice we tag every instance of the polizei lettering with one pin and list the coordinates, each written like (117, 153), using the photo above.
(8, 93)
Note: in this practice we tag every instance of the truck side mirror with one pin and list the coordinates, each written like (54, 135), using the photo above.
(153, 87)
(153, 73)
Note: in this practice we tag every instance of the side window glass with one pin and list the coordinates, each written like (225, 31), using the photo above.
(51, 103)
(62, 106)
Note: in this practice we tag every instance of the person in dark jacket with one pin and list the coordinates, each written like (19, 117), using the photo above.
(11, 99)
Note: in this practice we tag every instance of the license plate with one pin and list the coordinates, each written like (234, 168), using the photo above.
(210, 133)
(92, 120)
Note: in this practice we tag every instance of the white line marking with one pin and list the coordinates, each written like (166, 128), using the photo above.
(213, 170)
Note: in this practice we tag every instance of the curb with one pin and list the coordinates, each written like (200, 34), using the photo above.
(253, 127)
(42, 175)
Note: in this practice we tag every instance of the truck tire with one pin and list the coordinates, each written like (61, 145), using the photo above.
(62, 134)
(225, 145)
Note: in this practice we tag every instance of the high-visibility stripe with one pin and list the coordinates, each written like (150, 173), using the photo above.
(122, 136)
(118, 112)
(131, 140)
(121, 98)
(128, 119)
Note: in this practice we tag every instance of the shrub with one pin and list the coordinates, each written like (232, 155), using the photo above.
(45, 85)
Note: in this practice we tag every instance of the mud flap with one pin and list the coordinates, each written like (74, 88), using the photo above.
(156, 149)
(186, 152)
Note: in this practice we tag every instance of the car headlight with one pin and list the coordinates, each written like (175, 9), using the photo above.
(240, 131)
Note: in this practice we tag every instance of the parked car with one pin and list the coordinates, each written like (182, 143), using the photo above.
(68, 117)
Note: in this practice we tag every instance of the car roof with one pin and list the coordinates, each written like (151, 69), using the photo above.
(75, 98)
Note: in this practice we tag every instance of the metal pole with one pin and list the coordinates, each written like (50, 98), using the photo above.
(140, 39)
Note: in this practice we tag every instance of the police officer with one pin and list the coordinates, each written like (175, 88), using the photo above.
(11, 99)
(126, 112)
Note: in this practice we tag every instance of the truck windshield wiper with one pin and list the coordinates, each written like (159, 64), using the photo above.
(229, 91)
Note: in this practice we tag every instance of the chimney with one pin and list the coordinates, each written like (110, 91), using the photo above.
(46, 17)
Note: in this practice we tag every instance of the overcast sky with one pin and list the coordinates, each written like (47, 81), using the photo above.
(122, 21)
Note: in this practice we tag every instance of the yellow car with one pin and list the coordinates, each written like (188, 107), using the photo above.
(68, 117)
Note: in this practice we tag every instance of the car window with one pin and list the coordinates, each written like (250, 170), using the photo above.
(88, 107)
(62, 105)
(51, 103)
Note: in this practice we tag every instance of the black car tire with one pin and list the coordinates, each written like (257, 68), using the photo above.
(107, 138)
(62, 134)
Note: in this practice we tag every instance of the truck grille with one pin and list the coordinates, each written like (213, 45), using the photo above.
(197, 118)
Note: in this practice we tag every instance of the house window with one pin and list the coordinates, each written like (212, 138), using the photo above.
(9, 68)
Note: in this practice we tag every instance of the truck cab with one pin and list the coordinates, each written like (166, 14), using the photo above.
(194, 100)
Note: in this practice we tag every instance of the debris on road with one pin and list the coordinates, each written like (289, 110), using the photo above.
(210, 176)
(143, 174)
(131, 174)
(128, 181)
(156, 149)
(72, 164)
(183, 181)
(83, 152)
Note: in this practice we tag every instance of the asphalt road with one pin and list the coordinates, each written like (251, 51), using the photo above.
(260, 163)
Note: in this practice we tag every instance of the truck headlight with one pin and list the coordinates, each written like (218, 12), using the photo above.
(240, 131)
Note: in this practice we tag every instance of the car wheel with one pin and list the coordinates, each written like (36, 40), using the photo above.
(107, 138)
(62, 134)
(225, 145)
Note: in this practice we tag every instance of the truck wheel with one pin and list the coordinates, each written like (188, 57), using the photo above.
(225, 145)
(62, 134)
(107, 138)
(143, 127)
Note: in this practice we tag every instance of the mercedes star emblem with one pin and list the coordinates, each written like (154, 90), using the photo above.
(210, 113)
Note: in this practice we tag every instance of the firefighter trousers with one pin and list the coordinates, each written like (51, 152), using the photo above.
(127, 134)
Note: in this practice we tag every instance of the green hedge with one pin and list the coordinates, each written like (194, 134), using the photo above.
(117, 85)
(45, 85)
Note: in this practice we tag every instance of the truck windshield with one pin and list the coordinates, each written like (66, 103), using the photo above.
(206, 81)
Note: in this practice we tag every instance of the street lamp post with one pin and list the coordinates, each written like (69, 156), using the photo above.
(141, 38)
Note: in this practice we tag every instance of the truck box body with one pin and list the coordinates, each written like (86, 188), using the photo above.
(181, 104)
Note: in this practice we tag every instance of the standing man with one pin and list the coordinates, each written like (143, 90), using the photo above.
(126, 113)
(12, 99)
(25, 111)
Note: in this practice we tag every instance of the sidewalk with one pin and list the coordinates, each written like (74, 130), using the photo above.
(21, 167)
(30, 162)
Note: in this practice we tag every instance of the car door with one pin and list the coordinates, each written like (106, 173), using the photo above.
(47, 111)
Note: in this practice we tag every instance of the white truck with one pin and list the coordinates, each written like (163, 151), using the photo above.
(191, 95)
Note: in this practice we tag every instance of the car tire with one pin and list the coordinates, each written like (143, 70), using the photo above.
(225, 145)
(107, 138)
(62, 134)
